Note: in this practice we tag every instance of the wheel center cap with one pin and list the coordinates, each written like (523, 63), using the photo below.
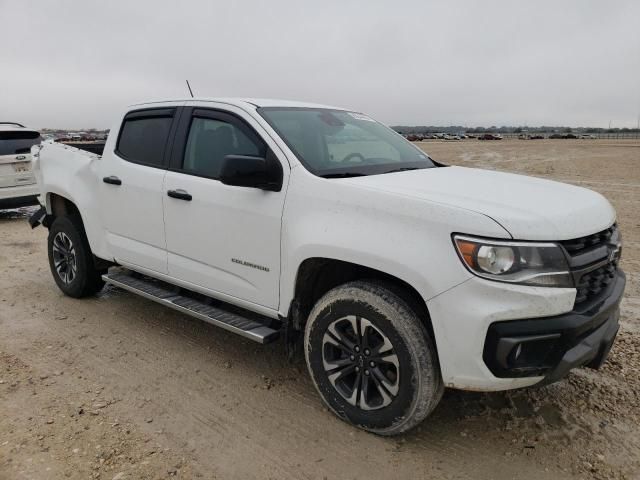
(361, 360)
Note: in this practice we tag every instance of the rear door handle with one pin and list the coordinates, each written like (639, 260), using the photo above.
(180, 194)
(112, 180)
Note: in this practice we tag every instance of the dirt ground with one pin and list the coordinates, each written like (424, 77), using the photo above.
(116, 387)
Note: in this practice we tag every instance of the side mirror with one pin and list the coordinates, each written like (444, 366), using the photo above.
(264, 173)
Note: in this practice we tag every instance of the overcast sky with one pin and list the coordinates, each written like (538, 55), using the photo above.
(77, 63)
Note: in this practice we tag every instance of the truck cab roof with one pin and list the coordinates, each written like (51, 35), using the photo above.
(242, 102)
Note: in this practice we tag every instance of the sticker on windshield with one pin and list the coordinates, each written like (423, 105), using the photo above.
(361, 116)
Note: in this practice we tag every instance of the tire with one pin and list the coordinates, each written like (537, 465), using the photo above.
(71, 260)
(403, 383)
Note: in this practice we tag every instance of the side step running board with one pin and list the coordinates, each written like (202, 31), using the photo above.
(163, 293)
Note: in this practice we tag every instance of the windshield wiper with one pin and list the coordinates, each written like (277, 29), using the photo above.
(343, 175)
(403, 169)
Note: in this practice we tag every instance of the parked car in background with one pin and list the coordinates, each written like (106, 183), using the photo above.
(588, 136)
(530, 136)
(18, 186)
(490, 136)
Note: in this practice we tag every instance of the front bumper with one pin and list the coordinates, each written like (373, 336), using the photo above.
(552, 346)
(469, 320)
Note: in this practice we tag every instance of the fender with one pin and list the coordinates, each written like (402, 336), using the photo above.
(390, 233)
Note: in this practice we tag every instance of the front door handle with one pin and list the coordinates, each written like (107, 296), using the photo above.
(112, 180)
(180, 194)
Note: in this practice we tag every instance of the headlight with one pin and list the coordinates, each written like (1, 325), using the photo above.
(525, 263)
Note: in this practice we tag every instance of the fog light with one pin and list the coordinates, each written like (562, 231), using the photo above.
(522, 353)
(517, 352)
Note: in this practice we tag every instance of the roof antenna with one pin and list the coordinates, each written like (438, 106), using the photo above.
(189, 87)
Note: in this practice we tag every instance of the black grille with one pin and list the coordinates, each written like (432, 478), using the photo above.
(592, 284)
(578, 245)
(593, 263)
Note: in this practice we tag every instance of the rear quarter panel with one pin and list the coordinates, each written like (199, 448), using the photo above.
(72, 174)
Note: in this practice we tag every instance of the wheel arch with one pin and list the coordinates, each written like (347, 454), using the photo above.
(317, 275)
(59, 205)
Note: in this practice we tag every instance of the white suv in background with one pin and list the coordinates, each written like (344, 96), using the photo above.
(18, 186)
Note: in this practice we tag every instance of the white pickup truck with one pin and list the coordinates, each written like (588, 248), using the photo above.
(399, 275)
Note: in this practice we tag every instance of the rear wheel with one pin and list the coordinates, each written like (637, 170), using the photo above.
(371, 359)
(71, 260)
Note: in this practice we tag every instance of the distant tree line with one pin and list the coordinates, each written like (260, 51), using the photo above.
(453, 129)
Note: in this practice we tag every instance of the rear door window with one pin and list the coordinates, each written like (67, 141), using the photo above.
(143, 136)
(18, 142)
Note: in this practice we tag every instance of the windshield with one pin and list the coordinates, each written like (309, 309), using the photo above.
(335, 143)
(14, 143)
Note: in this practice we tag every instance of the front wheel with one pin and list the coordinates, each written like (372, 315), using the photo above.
(71, 260)
(371, 359)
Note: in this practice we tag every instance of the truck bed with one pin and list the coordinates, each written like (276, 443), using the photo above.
(93, 147)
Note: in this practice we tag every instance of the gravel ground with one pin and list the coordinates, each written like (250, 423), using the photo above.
(116, 387)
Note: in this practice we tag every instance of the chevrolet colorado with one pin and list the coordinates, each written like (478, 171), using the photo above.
(398, 275)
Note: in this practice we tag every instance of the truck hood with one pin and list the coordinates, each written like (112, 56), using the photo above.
(528, 208)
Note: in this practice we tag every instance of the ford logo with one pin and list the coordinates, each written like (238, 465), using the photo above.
(20, 157)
